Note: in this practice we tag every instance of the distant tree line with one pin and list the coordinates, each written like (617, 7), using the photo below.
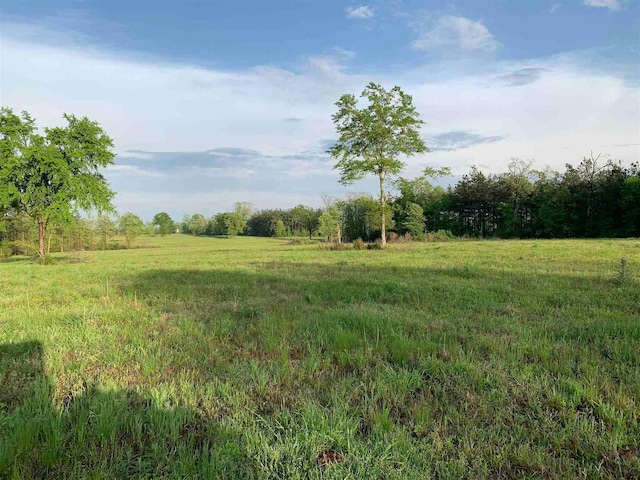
(598, 198)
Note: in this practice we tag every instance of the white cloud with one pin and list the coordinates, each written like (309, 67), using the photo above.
(452, 33)
(614, 5)
(359, 13)
(555, 117)
(554, 8)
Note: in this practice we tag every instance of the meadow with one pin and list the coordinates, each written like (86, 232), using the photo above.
(197, 357)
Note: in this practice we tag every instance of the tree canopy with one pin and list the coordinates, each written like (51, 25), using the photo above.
(52, 176)
(163, 223)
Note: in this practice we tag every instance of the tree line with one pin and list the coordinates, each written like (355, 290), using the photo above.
(47, 180)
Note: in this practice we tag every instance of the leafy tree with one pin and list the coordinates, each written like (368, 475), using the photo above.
(236, 221)
(106, 228)
(197, 224)
(163, 223)
(413, 222)
(279, 229)
(184, 227)
(52, 176)
(330, 224)
(131, 227)
(372, 138)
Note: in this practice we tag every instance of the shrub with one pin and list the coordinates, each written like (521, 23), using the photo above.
(440, 236)
(359, 244)
(392, 237)
(377, 245)
(6, 248)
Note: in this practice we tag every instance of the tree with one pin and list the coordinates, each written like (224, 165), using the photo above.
(131, 227)
(52, 176)
(106, 228)
(163, 223)
(197, 224)
(413, 222)
(236, 221)
(330, 224)
(371, 139)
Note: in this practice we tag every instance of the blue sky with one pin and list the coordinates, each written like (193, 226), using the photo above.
(215, 102)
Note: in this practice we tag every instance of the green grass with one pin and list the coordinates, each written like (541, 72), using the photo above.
(249, 358)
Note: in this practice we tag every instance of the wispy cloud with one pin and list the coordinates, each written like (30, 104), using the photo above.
(362, 12)
(520, 77)
(615, 5)
(554, 8)
(458, 34)
(457, 140)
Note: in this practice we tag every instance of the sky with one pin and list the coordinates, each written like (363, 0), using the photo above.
(213, 102)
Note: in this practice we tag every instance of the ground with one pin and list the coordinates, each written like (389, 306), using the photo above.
(254, 358)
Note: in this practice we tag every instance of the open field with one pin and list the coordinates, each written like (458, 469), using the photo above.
(250, 358)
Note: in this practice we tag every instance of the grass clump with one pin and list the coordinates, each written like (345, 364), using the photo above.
(359, 244)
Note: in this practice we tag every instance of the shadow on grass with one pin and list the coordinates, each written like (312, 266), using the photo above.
(96, 433)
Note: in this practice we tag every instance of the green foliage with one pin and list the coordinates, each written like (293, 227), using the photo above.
(236, 221)
(6, 248)
(440, 236)
(330, 224)
(597, 198)
(52, 176)
(371, 139)
(413, 222)
(197, 224)
(105, 228)
(163, 223)
(131, 226)
(279, 230)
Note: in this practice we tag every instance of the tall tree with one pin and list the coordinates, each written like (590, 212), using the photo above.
(197, 224)
(372, 138)
(52, 176)
(163, 223)
(106, 228)
(131, 226)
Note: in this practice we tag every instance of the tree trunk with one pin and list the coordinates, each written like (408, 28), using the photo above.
(382, 205)
(61, 243)
(41, 233)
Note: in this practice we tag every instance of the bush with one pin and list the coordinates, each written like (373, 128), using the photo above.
(440, 236)
(45, 260)
(377, 245)
(359, 244)
(6, 248)
(392, 237)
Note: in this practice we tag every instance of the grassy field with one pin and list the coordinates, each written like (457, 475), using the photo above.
(252, 358)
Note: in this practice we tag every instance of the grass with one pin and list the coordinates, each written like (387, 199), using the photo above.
(255, 358)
